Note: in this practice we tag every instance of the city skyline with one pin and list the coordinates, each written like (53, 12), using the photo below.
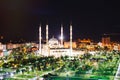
(90, 19)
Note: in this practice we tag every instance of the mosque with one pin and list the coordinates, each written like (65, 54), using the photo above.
(53, 47)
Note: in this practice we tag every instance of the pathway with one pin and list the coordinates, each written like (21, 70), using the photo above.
(117, 76)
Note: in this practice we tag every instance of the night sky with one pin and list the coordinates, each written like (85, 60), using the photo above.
(20, 19)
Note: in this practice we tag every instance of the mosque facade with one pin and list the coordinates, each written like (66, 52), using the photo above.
(53, 47)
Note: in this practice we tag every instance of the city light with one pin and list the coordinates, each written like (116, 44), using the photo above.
(61, 37)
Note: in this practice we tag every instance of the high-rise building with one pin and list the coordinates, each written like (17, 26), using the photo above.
(106, 41)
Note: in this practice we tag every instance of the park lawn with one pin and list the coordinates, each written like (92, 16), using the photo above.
(83, 78)
(25, 76)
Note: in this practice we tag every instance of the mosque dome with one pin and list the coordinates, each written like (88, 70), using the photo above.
(53, 42)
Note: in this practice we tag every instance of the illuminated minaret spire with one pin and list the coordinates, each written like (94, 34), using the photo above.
(70, 39)
(40, 39)
(47, 34)
(61, 35)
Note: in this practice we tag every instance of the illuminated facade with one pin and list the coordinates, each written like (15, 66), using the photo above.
(106, 41)
(67, 45)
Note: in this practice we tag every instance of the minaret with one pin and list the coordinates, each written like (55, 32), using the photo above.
(47, 45)
(70, 39)
(47, 34)
(40, 39)
(61, 35)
